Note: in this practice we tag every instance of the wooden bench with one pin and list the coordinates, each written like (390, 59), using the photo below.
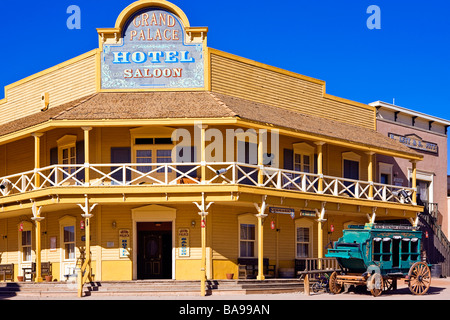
(7, 271)
(248, 268)
(46, 270)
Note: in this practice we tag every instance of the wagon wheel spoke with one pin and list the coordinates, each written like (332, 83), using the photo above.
(334, 286)
(420, 278)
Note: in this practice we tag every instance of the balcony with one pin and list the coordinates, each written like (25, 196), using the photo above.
(228, 173)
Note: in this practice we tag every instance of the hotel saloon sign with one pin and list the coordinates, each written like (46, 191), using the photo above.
(152, 54)
(415, 142)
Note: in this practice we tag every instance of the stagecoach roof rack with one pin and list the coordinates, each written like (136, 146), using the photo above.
(371, 226)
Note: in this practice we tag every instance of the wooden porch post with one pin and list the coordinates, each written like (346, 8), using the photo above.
(203, 214)
(414, 181)
(320, 222)
(86, 155)
(320, 165)
(261, 216)
(37, 157)
(370, 174)
(261, 139)
(203, 128)
(37, 220)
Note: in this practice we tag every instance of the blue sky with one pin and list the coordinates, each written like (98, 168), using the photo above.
(407, 59)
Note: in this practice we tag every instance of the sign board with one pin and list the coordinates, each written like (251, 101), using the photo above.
(415, 142)
(152, 53)
(124, 241)
(307, 213)
(289, 211)
(183, 240)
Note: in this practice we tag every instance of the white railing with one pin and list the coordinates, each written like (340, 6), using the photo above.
(163, 174)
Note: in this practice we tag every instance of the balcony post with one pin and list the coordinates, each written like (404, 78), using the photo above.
(370, 174)
(37, 158)
(86, 155)
(414, 181)
(203, 128)
(320, 165)
(262, 138)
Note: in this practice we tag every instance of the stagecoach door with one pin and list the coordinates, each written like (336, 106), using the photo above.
(154, 256)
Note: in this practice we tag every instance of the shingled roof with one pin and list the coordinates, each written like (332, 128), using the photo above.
(175, 105)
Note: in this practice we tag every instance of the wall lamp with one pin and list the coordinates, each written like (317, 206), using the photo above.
(114, 224)
(221, 171)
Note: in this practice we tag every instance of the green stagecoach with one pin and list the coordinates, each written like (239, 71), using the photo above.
(377, 256)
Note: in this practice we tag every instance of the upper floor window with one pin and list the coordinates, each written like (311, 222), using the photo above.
(304, 157)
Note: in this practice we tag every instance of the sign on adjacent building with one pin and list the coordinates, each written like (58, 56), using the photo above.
(152, 54)
(415, 142)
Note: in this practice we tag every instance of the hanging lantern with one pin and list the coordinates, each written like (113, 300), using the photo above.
(332, 228)
(272, 225)
(21, 226)
(82, 225)
(203, 224)
(426, 234)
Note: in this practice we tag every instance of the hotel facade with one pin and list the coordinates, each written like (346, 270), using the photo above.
(155, 156)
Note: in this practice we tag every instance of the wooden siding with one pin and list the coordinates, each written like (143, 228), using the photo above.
(71, 80)
(233, 76)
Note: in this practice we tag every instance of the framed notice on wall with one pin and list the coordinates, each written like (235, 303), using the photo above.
(183, 241)
(124, 241)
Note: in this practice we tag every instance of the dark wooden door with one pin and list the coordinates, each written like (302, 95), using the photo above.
(154, 259)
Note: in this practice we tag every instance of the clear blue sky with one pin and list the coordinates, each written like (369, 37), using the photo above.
(407, 59)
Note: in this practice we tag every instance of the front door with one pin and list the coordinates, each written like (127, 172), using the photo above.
(154, 256)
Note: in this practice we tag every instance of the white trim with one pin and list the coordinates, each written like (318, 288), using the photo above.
(153, 213)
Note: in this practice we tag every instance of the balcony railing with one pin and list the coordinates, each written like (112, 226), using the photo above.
(233, 173)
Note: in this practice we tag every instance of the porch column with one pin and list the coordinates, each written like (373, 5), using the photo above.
(203, 214)
(261, 142)
(370, 174)
(414, 181)
(261, 216)
(320, 221)
(85, 272)
(37, 220)
(37, 158)
(320, 165)
(203, 128)
(86, 155)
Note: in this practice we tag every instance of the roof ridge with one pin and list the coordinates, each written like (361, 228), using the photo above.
(220, 102)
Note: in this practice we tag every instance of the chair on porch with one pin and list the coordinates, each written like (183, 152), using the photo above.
(46, 270)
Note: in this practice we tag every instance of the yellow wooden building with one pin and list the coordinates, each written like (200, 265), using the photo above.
(169, 159)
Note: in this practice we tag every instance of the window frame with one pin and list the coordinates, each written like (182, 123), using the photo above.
(248, 219)
(306, 224)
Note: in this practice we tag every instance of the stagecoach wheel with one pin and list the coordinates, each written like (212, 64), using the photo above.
(334, 286)
(419, 278)
(375, 284)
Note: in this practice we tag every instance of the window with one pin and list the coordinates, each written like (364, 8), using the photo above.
(69, 242)
(26, 246)
(67, 154)
(303, 242)
(247, 240)
(303, 157)
(303, 238)
(144, 156)
(385, 170)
